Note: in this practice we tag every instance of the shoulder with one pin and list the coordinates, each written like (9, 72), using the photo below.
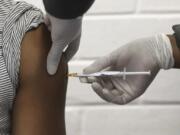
(35, 47)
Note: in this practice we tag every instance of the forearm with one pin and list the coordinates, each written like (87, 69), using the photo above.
(37, 113)
(176, 51)
(37, 117)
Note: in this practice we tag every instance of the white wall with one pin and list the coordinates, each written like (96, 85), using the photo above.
(108, 25)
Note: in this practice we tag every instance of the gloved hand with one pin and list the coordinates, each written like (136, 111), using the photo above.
(64, 33)
(147, 54)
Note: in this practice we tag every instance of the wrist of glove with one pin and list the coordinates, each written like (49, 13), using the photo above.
(163, 51)
(146, 54)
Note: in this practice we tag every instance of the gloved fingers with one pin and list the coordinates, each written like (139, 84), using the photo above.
(98, 65)
(109, 90)
(121, 92)
(104, 93)
(72, 48)
(54, 57)
(91, 80)
(115, 96)
(123, 85)
(106, 82)
(122, 99)
(112, 95)
(98, 89)
(87, 79)
(116, 92)
(108, 95)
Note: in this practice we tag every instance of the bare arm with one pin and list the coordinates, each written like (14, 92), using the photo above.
(40, 100)
(176, 51)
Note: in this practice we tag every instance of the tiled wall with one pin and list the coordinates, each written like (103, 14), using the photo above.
(108, 25)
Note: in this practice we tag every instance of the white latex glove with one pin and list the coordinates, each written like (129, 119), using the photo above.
(147, 54)
(66, 34)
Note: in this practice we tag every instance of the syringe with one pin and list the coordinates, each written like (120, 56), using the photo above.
(110, 73)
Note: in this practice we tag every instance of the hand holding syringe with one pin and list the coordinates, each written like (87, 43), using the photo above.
(146, 54)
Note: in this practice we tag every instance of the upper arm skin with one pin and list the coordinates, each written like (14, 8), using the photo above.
(40, 101)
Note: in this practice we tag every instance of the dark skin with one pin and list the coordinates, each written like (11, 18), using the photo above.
(40, 101)
(176, 51)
